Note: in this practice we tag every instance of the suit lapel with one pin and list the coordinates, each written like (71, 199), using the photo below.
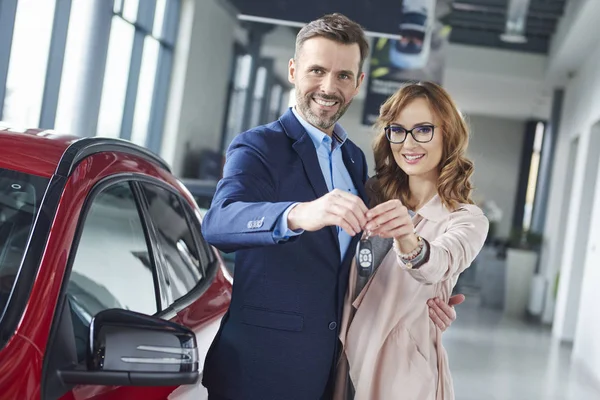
(308, 154)
(355, 169)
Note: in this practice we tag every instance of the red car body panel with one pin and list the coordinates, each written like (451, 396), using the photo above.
(21, 360)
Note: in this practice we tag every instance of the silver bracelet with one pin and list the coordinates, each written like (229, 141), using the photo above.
(418, 259)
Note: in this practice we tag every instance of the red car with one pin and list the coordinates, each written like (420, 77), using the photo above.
(107, 287)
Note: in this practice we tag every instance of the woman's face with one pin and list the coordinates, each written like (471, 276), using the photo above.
(420, 157)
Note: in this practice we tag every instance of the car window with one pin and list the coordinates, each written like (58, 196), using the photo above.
(202, 201)
(112, 266)
(20, 198)
(185, 263)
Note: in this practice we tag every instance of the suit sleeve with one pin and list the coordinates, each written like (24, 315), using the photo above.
(244, 211)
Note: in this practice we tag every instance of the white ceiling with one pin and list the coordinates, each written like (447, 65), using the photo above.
(577, 33)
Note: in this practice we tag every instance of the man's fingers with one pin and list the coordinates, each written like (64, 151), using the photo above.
(443, 311)
(345, 216)
(456, 300)
(346, 227)
(354, 199)
(436, 320)
(355, 210)
(351, 204)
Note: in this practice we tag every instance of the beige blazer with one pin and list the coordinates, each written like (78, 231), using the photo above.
(393, 349)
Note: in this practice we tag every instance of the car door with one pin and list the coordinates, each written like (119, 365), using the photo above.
(116, 261)
(114, 267)
(197, 288)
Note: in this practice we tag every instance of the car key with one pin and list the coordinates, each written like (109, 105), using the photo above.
(364, 257)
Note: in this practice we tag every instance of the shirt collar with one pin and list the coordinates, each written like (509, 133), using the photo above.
(434, 210)
(317, 136)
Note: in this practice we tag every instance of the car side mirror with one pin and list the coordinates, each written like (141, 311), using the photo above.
(131, 349)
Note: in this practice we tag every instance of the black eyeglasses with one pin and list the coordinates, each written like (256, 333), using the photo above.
(397, 134)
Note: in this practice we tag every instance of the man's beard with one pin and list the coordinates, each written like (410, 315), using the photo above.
(320, 121)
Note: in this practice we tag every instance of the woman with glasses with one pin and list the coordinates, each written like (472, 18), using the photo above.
(421, 200)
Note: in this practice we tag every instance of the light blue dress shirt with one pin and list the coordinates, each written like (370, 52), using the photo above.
(334, 171)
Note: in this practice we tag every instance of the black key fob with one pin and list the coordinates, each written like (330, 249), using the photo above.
(364, 258)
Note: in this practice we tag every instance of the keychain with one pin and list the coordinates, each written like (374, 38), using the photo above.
(364, 256)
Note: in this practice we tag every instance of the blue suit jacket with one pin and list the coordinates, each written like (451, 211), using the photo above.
(279, 339)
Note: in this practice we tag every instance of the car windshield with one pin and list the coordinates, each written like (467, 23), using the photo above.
(20, 197)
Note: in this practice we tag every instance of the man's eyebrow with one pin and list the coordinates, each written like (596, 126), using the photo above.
(316, 66)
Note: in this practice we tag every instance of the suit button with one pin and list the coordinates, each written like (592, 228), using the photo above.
(332, 326)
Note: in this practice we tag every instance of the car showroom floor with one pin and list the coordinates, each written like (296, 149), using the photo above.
(496, 358)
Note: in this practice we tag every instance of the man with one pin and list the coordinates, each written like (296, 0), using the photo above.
(292, 204)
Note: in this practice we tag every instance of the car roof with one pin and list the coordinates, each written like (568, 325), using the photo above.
(47, 152)
(34, 151)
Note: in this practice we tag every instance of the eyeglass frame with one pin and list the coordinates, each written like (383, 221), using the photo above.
(386, 129)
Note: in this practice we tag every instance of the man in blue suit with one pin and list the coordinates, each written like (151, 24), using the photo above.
(291, 204)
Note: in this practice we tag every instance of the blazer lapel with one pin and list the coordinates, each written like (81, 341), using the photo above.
(308, 154)
(355, 169)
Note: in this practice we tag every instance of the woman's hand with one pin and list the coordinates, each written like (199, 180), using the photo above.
(390, 220)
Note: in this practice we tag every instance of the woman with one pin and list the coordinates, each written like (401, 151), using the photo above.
(422, 201)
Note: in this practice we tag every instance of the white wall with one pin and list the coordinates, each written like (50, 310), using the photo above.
(494, 82)
(495, 148)
(199, 83)
(581, 111)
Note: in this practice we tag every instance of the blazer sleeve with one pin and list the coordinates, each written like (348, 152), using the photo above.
(244, 210)
(454, 251)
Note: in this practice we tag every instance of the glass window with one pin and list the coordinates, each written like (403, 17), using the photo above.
(130, 10)
(20, 198)
(115, 78)
(159, 18)
(118, 6)
(184, 263)
(145, 92)
(134, 20)
(28, 62)
(237, 101)
(258, 97)
(533, 175)
(112, 267)
(73, 82)
(275, 102)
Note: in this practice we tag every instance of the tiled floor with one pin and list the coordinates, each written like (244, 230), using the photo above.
(493, 358)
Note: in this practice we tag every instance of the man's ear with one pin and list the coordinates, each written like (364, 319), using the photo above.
(359, 82)
(292, 71)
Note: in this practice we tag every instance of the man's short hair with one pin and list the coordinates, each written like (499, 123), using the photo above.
(336, 27)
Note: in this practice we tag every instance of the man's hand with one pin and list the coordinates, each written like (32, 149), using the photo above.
(336, 208)
(443, 314)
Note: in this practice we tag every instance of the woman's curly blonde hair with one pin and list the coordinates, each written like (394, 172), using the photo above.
(455, 169)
